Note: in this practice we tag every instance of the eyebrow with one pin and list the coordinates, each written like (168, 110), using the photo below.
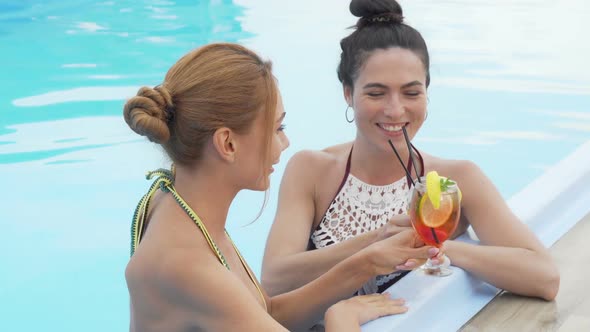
(413, 83)
(383, 86)
(282, 117)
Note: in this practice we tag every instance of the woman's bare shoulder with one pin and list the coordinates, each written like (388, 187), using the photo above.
(182, 267)
(172, 244)
(459, 169)
(169, 266)
(319, 160)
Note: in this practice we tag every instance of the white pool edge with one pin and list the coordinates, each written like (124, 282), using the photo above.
(551, 205)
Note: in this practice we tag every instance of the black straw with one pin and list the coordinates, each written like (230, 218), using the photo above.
(434, 234)
(412, 160)
(401, 162)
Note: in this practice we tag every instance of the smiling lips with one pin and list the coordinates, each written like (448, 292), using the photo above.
(392, 129)
(272, 169)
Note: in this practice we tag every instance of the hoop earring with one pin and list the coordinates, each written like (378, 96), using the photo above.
(426, 116)
(346, 115)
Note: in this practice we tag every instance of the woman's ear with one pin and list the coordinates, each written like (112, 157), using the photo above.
(225, 144)
(347, 94)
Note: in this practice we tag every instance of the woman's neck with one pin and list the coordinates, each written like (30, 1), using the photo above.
(375, 166)
(209, 193)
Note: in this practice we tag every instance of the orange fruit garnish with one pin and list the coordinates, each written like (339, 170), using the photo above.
(432, 217)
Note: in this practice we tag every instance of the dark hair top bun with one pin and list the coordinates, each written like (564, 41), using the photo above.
(376, 11)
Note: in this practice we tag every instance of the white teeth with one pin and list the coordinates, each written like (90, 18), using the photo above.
(391, 128)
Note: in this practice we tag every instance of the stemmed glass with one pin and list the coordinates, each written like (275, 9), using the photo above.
(435, 225)
(434, 207)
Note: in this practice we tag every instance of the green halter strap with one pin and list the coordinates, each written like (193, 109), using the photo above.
(165, 182)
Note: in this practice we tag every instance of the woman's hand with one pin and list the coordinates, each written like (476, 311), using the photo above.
(394, 226)
(403, 251)
(441, 258)
(361, 309)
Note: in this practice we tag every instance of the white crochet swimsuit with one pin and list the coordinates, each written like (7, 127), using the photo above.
(358, 208)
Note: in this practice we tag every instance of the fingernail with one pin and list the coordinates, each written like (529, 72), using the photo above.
(433, 251)
(410, 263)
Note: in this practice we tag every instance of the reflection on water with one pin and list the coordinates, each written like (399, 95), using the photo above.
(509, 91)
(73, 51)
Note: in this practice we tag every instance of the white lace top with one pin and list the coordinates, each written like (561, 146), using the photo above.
(358, 208)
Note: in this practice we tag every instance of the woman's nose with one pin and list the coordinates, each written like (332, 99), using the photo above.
(285, 143)
(394, 107)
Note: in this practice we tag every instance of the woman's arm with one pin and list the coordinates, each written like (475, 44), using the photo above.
(304, 306)
(287, 264)
(510, 255)
(301, 308)
(208, 297)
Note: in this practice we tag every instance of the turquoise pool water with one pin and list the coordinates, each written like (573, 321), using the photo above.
(510, 90)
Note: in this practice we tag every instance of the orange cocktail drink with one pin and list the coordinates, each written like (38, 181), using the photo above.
(435, 210)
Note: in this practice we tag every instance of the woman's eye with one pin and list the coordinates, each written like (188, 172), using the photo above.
(282, 127)
(413, 93)
(375, 94)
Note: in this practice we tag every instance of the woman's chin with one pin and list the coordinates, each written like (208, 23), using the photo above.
(262, 185)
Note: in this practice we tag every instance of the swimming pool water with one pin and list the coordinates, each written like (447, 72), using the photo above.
(510, 91)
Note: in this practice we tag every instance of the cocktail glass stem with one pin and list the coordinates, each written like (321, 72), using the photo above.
(439, 270)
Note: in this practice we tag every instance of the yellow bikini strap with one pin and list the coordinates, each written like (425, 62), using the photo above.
(252, 277)
(165, 182)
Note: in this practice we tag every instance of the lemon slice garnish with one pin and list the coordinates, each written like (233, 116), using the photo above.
(433, 188)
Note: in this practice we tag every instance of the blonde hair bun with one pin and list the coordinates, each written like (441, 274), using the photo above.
(149, 112)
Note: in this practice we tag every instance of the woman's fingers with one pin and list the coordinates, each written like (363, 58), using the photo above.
(395, 225)
(439, 258)
(391, 309)
(365, 308)
(401, 220)
(379, 305)
(417, 257)
(408, 237)
(411, 264)
(423, 252)
(400, 255)
(383, 298)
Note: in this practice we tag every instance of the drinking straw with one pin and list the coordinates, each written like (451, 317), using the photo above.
(401, 162)
(412, 160)
(434, 235)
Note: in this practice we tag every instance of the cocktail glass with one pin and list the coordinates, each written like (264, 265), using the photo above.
(435, 224)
